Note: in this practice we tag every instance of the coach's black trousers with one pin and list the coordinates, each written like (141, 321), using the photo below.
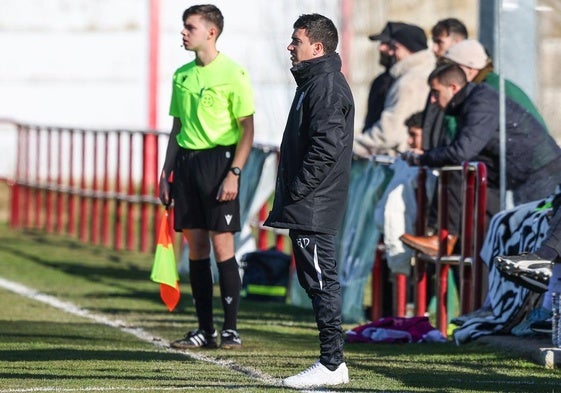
(317, 273)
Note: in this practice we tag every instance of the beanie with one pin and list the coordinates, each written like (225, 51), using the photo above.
(412, 37)
(469, 53)
(386, 34)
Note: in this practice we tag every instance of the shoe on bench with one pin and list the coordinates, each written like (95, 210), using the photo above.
(528, 270)
(428, 245)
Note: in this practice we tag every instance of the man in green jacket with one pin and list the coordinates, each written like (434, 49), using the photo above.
(471, 56)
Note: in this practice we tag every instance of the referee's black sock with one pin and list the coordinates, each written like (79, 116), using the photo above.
(230, 286)
(201, 285)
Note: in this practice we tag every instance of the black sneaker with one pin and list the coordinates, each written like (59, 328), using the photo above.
(528, 270)
(545, 326)
(230, 339)
(196, 339)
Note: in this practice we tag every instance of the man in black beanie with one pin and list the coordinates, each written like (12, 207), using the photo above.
(382, 82)
(413, 64)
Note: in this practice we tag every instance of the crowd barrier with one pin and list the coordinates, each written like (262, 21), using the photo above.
(91, 184)
(85, 183)
(468, 260)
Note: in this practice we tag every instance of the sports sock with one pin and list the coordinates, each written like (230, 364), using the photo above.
(200, 275)
(230, 286)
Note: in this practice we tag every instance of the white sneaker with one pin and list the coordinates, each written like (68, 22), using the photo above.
(318, 375)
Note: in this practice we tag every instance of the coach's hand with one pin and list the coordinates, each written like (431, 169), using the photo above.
(228, 190)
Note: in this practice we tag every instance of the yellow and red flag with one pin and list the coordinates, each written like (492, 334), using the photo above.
(164, 269)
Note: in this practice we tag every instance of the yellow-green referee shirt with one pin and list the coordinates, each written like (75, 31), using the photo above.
(208, 100)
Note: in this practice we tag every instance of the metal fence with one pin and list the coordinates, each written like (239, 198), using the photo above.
(97, 185)
(101, 187)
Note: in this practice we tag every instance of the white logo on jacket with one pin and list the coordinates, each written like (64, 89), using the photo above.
(228, 218)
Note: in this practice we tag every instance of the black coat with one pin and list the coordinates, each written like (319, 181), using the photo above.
(377, 98)
(316, 150)
(529, 147)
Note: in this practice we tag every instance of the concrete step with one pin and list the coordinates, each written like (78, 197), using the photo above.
(537, 349)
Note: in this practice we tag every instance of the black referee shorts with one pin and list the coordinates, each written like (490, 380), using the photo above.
(197, 176)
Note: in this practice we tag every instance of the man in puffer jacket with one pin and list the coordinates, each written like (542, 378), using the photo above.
(407, 95)
(312, 185)
(533, 158)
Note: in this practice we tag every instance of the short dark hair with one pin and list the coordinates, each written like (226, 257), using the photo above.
(449, 26)
(415, 120)
(319, 29)
(209, 13)
(447, 74)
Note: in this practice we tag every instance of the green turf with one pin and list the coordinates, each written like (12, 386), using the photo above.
(46, 349)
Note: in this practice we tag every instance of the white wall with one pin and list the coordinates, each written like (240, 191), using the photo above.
(84, 62)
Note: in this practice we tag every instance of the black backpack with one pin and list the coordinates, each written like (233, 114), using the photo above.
(266, 275)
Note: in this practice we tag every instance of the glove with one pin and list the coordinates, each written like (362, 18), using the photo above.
(165, 191)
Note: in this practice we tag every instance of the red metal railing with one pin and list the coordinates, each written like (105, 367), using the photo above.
(94, 185)
(73, 181)
(474, 199)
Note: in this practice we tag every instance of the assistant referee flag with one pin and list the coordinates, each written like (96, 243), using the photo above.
(164, 269)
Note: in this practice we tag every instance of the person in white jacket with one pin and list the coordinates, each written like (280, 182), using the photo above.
(407, 95)
(396, 211)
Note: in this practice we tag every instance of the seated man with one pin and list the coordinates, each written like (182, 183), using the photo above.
(532, 169)
(472, 57)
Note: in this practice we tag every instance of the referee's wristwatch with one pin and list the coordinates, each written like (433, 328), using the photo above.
(235, 170)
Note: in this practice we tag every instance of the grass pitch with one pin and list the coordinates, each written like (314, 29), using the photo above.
(118, 345)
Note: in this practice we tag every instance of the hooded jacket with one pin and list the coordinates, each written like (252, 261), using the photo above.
(529, 147)
(316, 150)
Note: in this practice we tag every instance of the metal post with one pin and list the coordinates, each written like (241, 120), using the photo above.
(59, 215)
(71, 196)
(118, 232)
(48, 224)
(131, 217)
(150, 141)
(105, 231)
(502, 109)
(94, 234)
(83, 198)
(421, 282)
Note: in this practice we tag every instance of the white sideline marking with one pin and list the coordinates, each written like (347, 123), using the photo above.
(121, 325)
